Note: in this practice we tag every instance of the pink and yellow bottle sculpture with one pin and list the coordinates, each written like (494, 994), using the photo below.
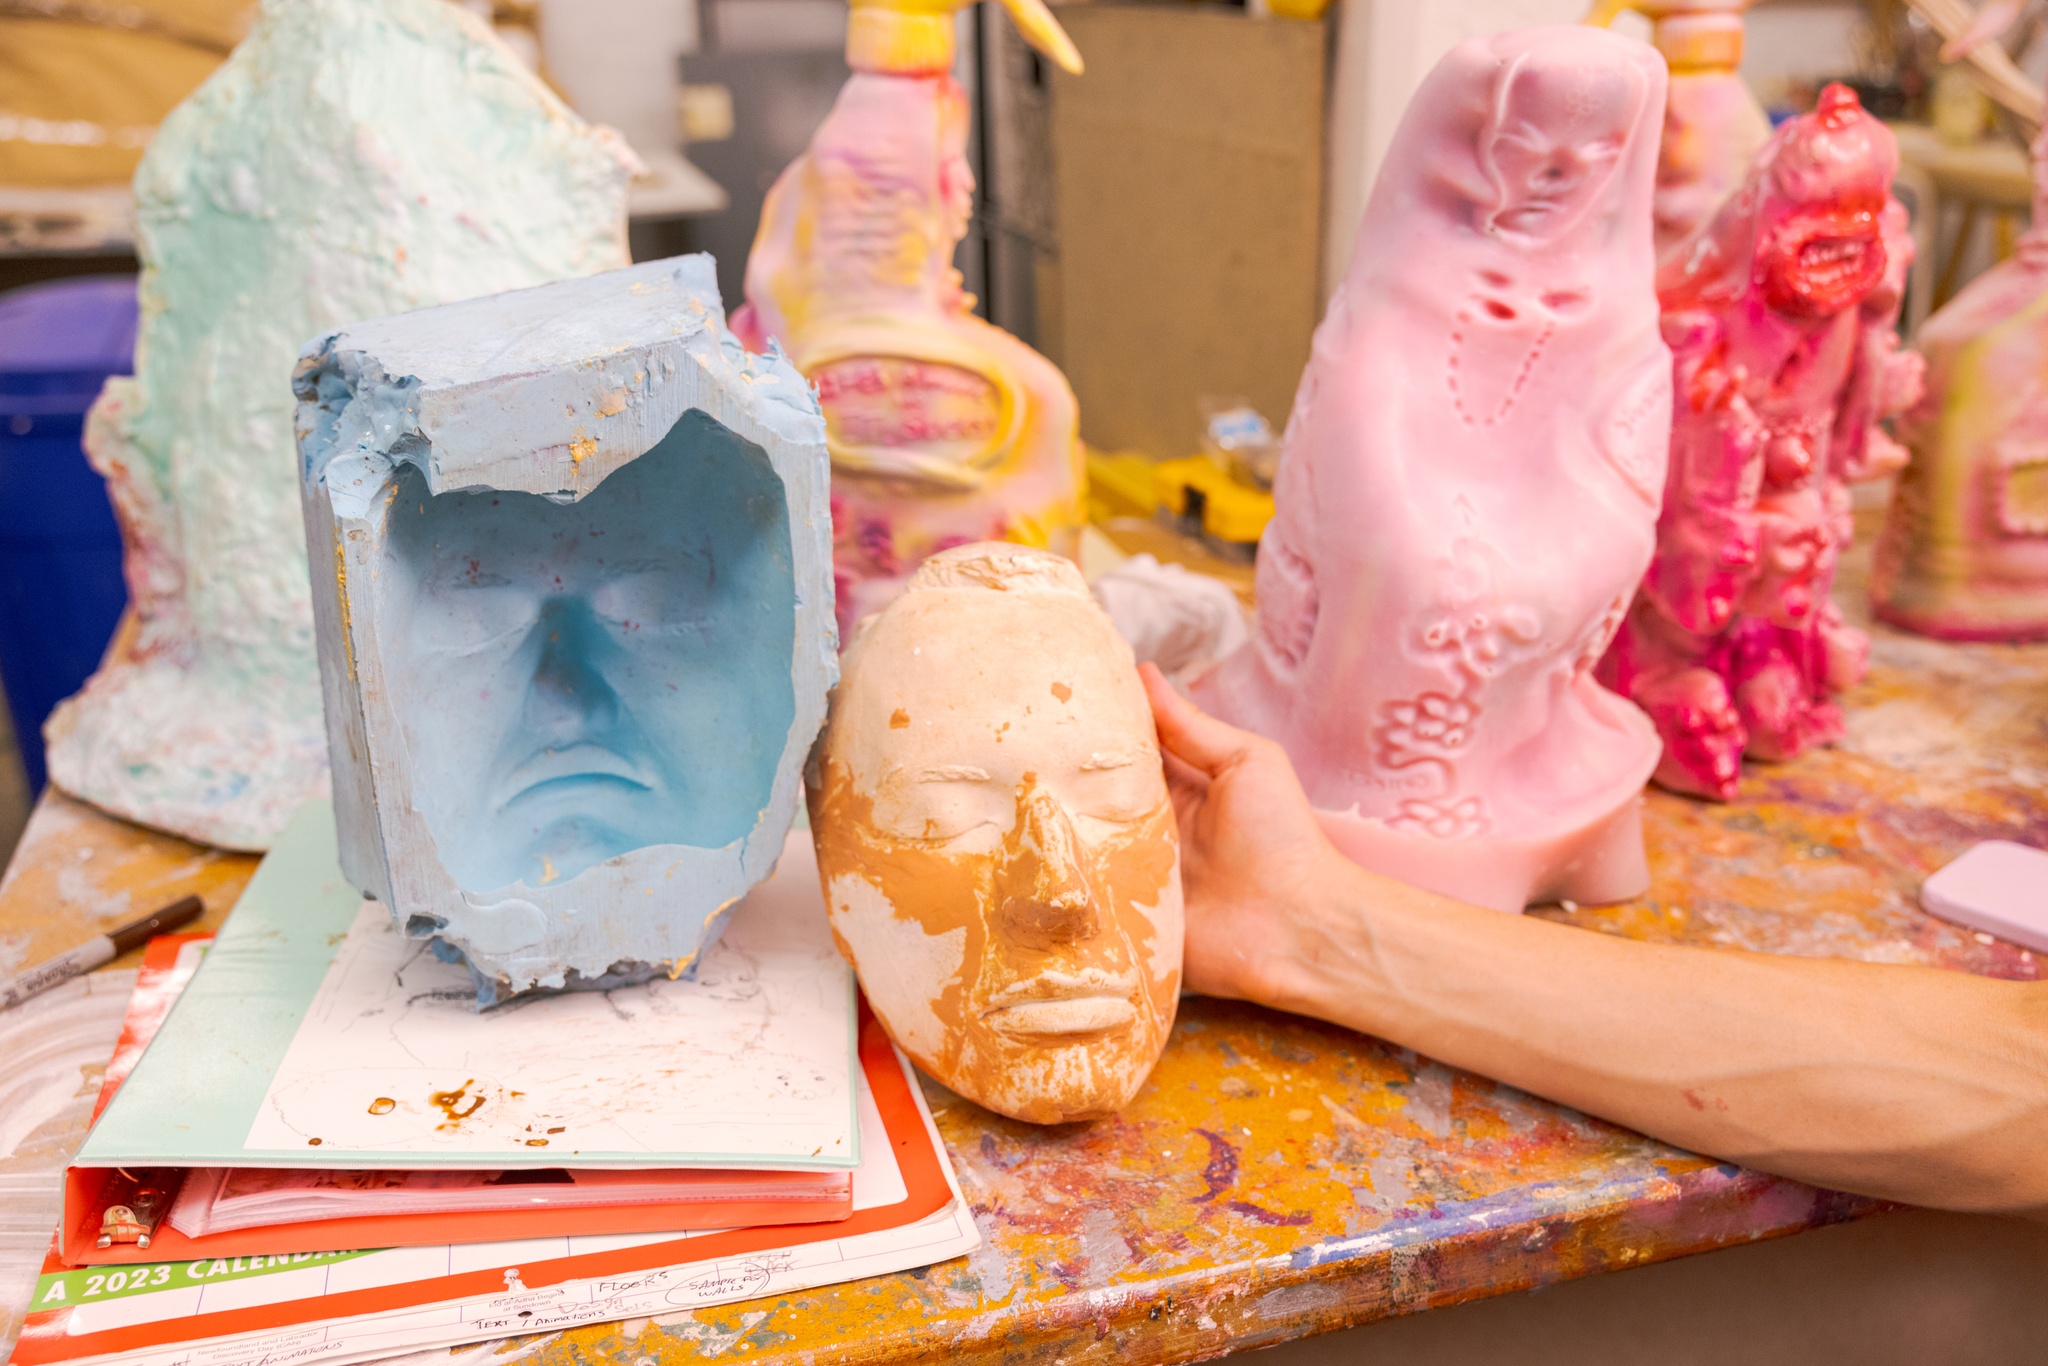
(1964, 553)
(1713, 126)
(1468, 493)
(943, 429)
(1780, 319)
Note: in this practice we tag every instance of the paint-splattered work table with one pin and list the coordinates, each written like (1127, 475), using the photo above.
(1280, 1177)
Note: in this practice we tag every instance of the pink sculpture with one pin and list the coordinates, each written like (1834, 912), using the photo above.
(943, 429)
(1468, 491)
(1964, 553)
(1779, 314)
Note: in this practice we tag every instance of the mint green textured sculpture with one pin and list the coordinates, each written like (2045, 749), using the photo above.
(352, 158)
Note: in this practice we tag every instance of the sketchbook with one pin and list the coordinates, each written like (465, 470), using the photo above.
(315, 1037)
(241, 1212)
(335, 1308)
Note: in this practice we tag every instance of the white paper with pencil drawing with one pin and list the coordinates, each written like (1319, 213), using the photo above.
(749, 1063)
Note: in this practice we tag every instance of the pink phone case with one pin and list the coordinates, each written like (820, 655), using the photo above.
(1998, 887)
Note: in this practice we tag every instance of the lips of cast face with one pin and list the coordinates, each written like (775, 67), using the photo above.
(1065, 1004)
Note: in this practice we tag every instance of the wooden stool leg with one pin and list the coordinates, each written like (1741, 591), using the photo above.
(1953, 265)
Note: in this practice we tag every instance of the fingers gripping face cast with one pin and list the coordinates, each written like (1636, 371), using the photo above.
(998, 850)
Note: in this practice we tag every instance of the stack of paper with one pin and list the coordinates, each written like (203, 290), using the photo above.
(320, 1041)
(265, 1086)
(233, 1199)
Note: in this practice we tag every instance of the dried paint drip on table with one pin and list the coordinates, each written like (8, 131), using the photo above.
(998, 852)
(396, 155)
(1489, 396)
(1275, 1178)
(1825, 856)
(575, 619)
(944, 430)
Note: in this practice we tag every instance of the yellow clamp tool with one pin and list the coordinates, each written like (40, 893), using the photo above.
(1195, 488)
(915, 37)
(1199, 487)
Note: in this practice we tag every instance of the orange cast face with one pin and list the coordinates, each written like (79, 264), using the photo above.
(997, 847)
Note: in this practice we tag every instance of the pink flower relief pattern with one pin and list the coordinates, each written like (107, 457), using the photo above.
(1431, 726)
(1483, 639)
(1445, 820)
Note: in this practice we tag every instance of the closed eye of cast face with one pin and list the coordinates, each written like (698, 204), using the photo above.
(1112, 789)
(658, 596)
(943, 733)
(944, 802)
(972, 808)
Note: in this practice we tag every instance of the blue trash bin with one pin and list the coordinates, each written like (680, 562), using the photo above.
(61, 591)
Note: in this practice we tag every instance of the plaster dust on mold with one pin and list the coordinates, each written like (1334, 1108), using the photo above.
(351, 158)
(1003, 872)
(1468, 490)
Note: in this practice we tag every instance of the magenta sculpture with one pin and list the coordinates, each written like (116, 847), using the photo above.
(1779, 313)
(1468, 494)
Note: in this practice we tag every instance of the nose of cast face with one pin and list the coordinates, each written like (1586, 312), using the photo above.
(566, 680)
(1046, 902)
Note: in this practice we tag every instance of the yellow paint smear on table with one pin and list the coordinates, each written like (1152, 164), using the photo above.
(80, 872)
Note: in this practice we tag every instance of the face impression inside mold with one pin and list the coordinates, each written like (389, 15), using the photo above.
(998, 850)
(579, 681)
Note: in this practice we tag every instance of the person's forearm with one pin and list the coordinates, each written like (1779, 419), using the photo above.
(1909, 1083)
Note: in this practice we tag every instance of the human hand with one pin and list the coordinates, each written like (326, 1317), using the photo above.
(1252, 855)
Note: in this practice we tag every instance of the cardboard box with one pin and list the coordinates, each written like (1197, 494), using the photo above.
(1188, 166)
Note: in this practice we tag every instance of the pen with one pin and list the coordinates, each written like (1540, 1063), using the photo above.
(95, 951)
